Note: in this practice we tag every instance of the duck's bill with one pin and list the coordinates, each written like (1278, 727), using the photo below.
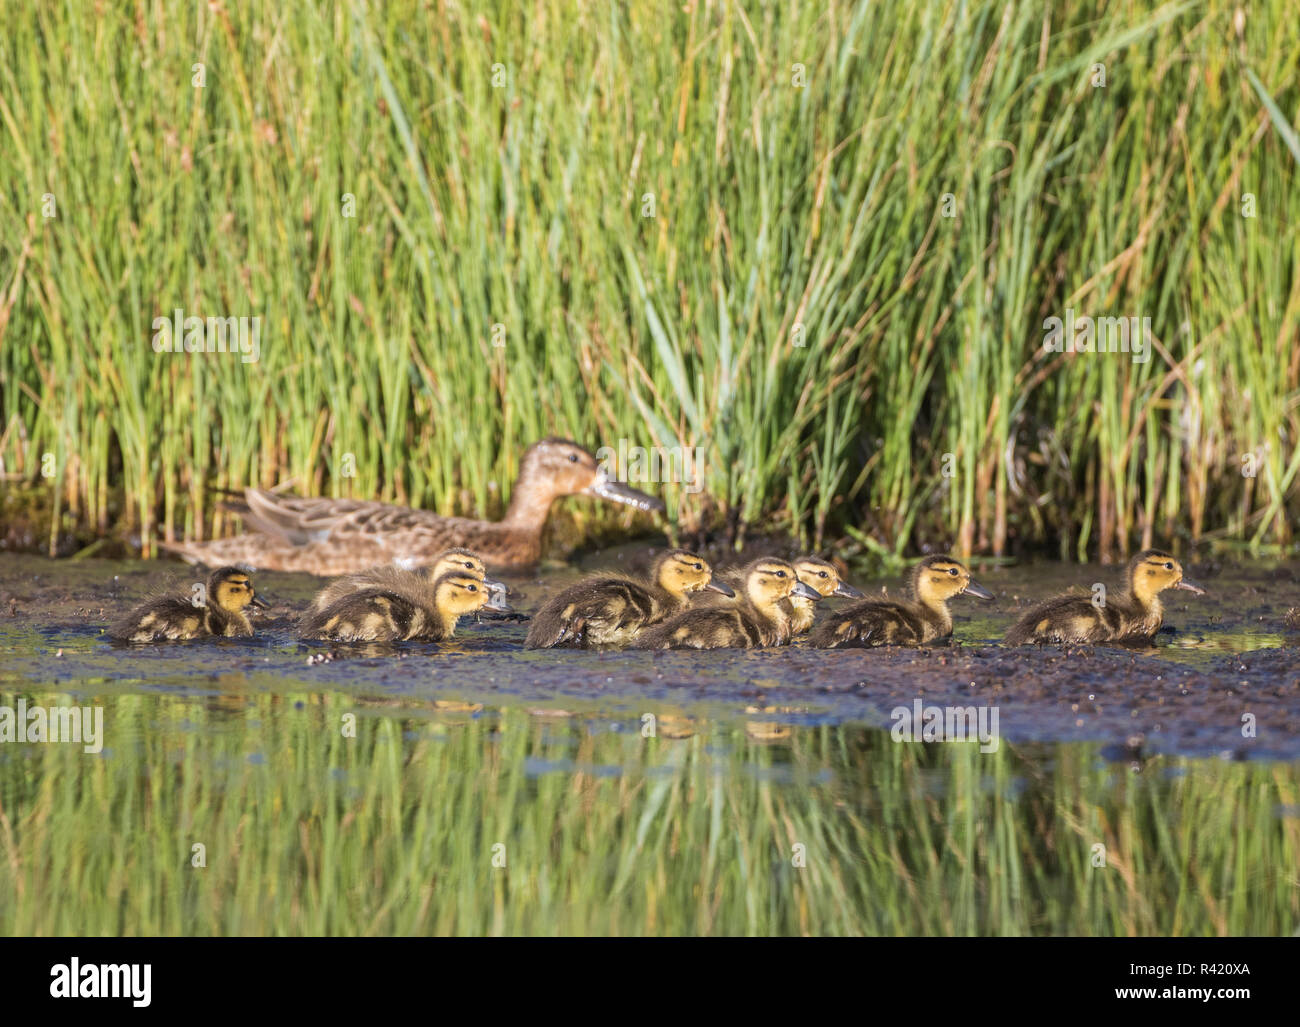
(620, 492)
(1191, 586)
(848, 591)
(496, 588)
(496, 602)
(977, 590)
(260, 603)
(715, 585)
(800, 589)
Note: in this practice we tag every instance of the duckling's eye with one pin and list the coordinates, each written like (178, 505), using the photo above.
(473, 588)
(780, 574)
(823, 574)
(573, 458)
(952, 571)
(697, 566)
(1169, 566)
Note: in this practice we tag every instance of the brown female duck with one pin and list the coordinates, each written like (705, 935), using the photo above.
(755, 620)
(921, 618)
(343, 536)
(215, 612)
(406, 608)
(610, 610)
(1135, 615)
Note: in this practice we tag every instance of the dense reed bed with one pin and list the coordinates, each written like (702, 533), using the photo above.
(819, 242)
(441, 824)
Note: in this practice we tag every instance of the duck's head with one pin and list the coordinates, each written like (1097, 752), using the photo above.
(231, 589)
(459, 593)
(768, 581)
(1153, 571)
(936, 579)
(679, 572)
(822, 577)
(558, 467)
(467, 562)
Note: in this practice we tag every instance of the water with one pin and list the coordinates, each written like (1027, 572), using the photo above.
(719, 792)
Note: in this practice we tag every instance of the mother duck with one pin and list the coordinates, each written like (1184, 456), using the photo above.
(343, 536)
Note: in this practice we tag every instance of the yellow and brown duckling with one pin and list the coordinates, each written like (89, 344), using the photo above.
(755, 620)
(406, 608)
(612, 610)
(215, 610)
(920, 618)
(823, 578)
(328, 537)
(1134, 615)
(393, 577)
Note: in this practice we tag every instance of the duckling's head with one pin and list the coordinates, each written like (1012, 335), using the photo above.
(823, 578)
(936, 579)
(1153, 571)
(768, 581)
(679, 572)
(458, 593)
(232, 590)
(557, 467)
(467, 562)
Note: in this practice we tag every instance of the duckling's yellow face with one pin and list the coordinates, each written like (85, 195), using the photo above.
(458, 593)
(1154, 571)
(939, 578)
(769, 581)
(823, 578)
(680, 572)
(232, 590)
(458, 560)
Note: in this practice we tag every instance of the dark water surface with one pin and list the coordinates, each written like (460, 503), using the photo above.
(718, 792)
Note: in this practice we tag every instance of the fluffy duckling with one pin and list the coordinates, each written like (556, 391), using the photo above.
(217, 611)
(754, 621)
(921, 618)
(392, 577)
(614, 610)
(406, 609)
(822, 577)
(1135, 615)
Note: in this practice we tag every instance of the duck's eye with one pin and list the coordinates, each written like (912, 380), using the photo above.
(780, 574)
(1169, 566)
(952, 571)
(823, 574)
(698, 567)
(573, 458)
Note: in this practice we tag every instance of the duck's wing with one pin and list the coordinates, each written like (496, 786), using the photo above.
(870, 623)
(305, 519)
(1062, 619)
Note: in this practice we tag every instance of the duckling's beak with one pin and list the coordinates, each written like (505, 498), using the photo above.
(715, 585)
(1191, 586)
(496, 600)
(259, 602)
(974, 588)
(616, 491)
(495, 587)
(800, 589)
(847, 591)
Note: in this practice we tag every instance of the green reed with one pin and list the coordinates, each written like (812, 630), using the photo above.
(797, 302)
(431, 822)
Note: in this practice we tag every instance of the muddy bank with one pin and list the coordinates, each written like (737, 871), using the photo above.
(1228, 656)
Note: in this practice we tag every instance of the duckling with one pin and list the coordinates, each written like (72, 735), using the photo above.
(393, 577)
(822, 577)
(405, 609)
(755, 620)
(614, 610)
(1135, 615)
(921, 618)
(215, 612)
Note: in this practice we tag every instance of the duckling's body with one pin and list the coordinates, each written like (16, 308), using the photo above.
(344, 536)
(919, 619)
(755, 620)
(1134, 615)
(611, 610)
(215, 612)
(407, 608)
(390, 577)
